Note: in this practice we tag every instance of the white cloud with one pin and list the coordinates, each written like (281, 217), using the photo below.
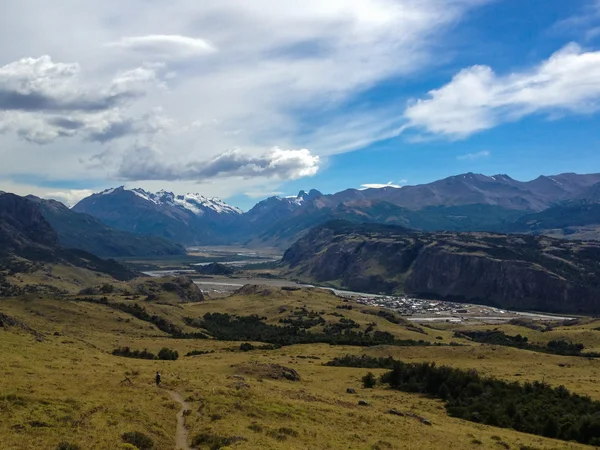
(585, 23)
(264, 73)
(165, 46)
(379, 185)
(41, 101)
(69, 197)
(478, 99)
(148, 163)
(262, 194)
(474, 156)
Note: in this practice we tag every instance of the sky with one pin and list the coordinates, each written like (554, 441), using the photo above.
(244, 100)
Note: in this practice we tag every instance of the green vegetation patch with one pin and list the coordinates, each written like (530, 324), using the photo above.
(556, 347)
(226, 327)
(535, 408)
(165, 354)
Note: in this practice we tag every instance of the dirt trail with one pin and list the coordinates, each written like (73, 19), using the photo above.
(182, 433)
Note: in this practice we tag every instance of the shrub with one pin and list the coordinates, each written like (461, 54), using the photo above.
(67, 446)
(288, 431)
(246, 347)
(199, 352)
(213, 441)
(128, 353)
(107, 288)
(140, 440)
(167, 354)
(369, 381)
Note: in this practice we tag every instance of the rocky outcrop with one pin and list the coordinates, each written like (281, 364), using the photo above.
(215, 269)
(183, 287)
(509, 271)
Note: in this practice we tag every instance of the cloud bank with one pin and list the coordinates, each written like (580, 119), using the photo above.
(478, 99)
(125, 85)
(146, 163)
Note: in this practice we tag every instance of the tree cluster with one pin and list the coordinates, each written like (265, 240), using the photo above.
(556, 346)
(225, 327)
(535, 408)
(165, 354)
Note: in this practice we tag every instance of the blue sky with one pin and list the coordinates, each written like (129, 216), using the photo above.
(243, 101)
(508, 36)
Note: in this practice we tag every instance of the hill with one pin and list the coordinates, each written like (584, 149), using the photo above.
(85, 232)
(28, 242)
(71, 390)
(510, 271)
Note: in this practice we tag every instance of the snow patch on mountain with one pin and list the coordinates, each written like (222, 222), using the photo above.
(195, 203)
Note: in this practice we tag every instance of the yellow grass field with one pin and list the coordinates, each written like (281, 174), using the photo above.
(60, 382)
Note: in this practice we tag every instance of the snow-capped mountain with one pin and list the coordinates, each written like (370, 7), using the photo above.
(188, 219)
(463, 202)
(196, 203)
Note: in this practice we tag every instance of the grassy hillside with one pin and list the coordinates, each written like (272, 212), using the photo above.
(62, 384)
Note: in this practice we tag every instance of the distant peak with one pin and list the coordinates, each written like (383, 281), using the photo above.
(311, 194)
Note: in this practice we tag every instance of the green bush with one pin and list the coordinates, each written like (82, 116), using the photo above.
(369, 381)
(140, 440)
(67, 446)
(534, 408)
(128, 353)
(213, 441)
(246, 347)
(167, 354)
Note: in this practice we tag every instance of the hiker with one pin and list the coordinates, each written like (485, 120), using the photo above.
(157, 379)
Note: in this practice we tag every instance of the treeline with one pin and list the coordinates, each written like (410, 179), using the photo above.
(556, 347)
(535, 408)
(225, 327)
(165, 354)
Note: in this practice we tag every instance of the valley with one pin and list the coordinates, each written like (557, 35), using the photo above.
(262, 348)
(316, 225)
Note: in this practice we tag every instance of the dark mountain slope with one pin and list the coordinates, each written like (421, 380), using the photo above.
(286, 231)
(84, 232)
(509, 271)
(568, 214)
(27, 239)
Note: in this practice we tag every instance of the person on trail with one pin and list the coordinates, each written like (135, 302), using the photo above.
(157, 379)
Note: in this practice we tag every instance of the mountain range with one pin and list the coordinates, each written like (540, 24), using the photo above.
(566, 205)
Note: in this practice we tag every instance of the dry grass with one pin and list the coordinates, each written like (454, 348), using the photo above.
(67, 387)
